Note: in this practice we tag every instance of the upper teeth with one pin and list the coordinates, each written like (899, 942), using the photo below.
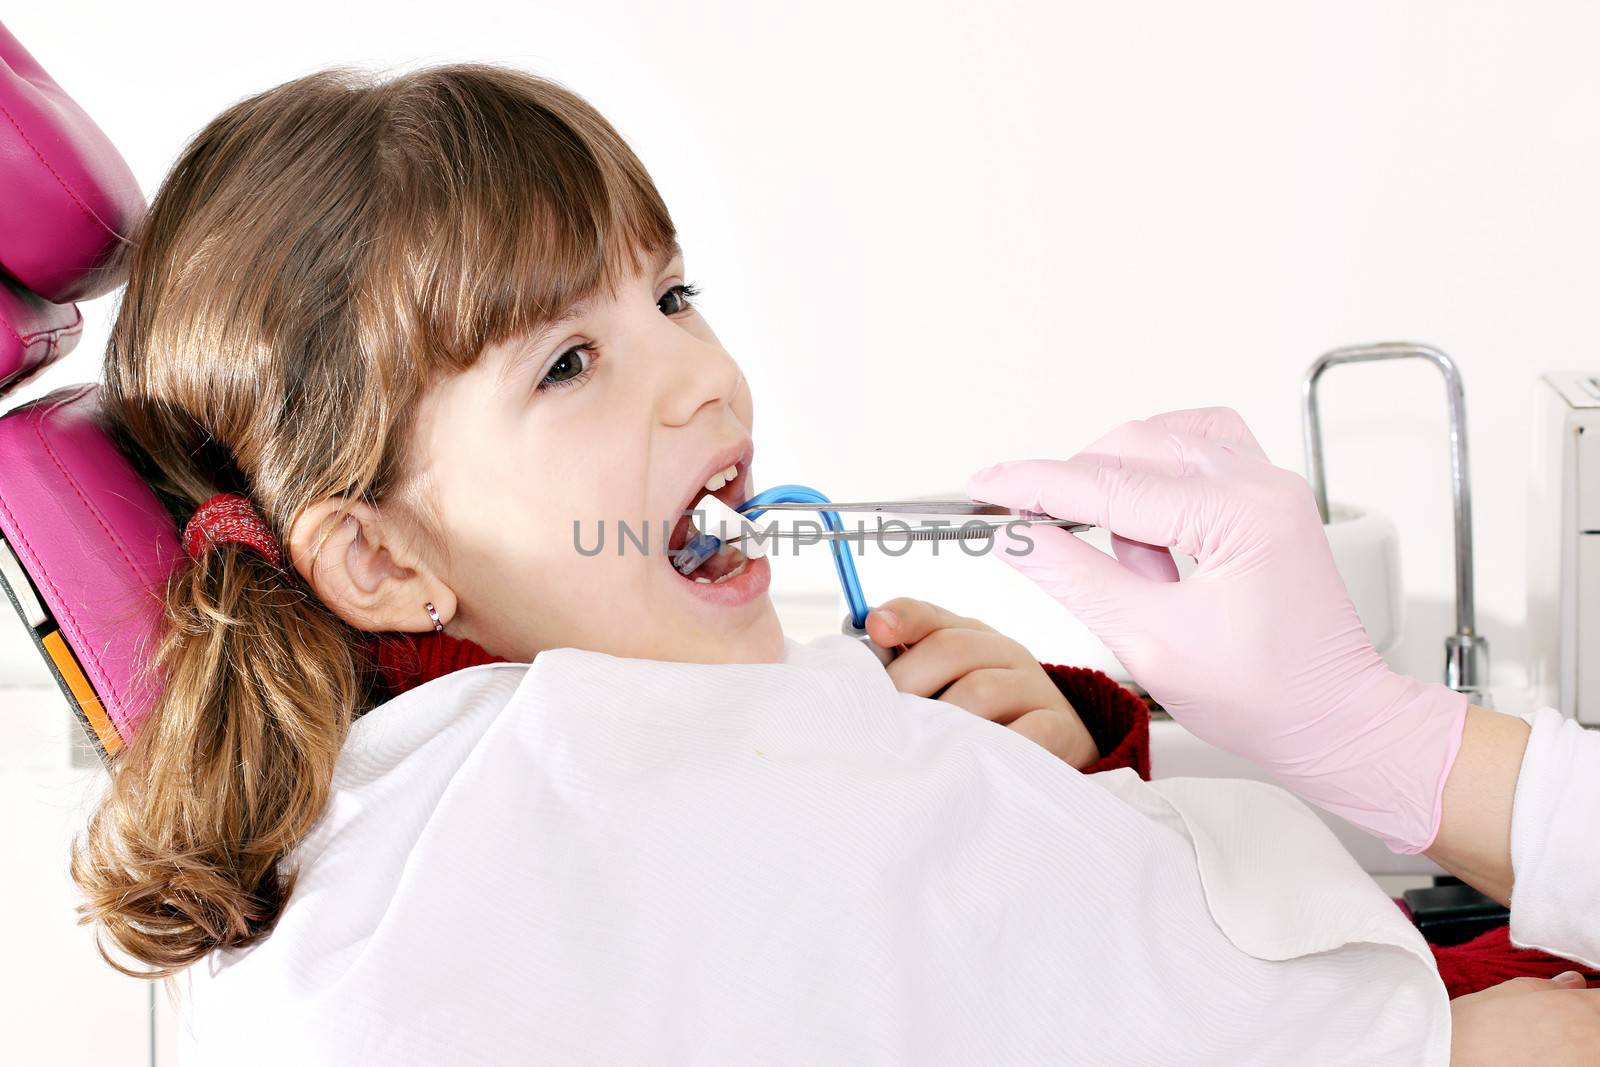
(721, 478)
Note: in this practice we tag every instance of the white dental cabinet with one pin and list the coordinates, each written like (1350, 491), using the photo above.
(1564, 546)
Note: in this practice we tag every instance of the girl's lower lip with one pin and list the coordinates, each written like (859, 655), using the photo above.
(740, 589)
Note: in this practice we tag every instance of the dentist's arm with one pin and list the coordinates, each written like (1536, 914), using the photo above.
(1474, 839)
(1543, 810)
(1260, 651)
(1517, 822)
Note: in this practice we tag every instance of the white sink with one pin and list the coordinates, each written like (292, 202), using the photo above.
(1366, 549)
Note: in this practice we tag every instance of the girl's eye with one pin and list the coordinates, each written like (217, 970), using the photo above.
(573, 366)
(676, 300)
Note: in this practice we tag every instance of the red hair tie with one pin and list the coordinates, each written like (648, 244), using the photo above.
(228, 517)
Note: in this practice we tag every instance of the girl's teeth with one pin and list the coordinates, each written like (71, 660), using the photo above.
(702, 580)
(731, 574)
(721, 478)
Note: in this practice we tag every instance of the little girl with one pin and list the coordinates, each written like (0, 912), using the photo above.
(393, 350)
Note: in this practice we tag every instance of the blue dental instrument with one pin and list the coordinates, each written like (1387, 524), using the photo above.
(695, 551)
(804, 498)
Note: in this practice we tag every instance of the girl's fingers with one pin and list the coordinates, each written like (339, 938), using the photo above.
(947, 655)
(1001, 694)
(906, 620)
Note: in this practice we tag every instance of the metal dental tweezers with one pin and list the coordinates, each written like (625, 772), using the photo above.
(947, 530)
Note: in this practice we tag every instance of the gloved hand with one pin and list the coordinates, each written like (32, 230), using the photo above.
(1259, 651)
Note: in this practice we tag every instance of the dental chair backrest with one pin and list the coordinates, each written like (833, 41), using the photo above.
(85, 545)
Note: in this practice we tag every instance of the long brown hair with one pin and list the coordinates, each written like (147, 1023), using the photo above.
(319, 254)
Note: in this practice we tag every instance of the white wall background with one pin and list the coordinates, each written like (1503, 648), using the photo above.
(942, 234)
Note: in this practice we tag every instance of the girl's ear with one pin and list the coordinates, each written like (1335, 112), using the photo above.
(360, 569)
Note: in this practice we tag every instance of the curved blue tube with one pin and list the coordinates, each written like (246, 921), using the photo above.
(803, 494)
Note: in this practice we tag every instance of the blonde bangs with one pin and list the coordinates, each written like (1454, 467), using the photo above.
(515, 206)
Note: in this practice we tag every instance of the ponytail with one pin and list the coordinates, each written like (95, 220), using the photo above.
(230, 770)
(318, 257)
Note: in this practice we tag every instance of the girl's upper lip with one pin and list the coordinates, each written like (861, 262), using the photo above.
(738, 453)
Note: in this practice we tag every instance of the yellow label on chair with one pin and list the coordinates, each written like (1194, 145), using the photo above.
(89, 704)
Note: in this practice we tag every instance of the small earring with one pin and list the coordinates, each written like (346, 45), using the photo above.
(438, 627)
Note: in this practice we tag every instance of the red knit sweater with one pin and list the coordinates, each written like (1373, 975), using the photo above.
(1119, 722)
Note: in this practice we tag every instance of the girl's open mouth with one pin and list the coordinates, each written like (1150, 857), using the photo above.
(728, 576)
(728, 485)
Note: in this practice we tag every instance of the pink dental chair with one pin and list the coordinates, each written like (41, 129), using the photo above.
(85, 545)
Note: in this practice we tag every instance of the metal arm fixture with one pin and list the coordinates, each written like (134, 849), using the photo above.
(1466, 666)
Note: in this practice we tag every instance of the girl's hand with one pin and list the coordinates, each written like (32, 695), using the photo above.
(1551, 1021)
(974, 667)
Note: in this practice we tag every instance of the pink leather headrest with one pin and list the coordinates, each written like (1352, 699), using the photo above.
(34, 333)
(67, 199)
(94, 538)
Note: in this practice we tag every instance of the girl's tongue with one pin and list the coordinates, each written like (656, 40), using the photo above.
(721, 565)
(724, 561)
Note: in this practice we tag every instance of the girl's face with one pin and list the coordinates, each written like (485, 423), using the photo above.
(596, 434)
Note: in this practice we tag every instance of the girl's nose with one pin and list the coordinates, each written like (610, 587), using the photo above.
(695, 373)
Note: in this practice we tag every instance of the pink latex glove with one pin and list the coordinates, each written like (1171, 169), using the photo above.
(1259, 651)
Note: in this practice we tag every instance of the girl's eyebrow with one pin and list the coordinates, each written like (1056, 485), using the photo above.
(579, 308)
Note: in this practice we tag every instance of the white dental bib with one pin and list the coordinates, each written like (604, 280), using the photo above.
(605, 860)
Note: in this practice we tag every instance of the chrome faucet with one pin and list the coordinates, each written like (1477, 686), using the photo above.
(1466, 663)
